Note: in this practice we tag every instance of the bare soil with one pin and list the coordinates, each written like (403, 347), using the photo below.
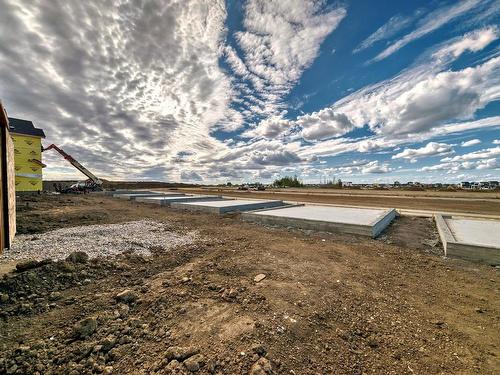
(329, 304)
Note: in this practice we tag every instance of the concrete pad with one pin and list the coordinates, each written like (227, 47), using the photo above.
(166, 201)
(472, 239)
(134, 196)
(124, 191)
(363, 221)
(229, 205)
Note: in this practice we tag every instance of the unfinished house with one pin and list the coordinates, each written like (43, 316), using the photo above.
(28, 154)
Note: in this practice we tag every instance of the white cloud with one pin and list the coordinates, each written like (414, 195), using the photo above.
(431, 149)
(121, 87)
(481, 154)
(376, 167)
(280, 40)
(473, 42)
(323, 124)
(453, 167)
(270, 127)
(339, 146)
(357, 167)
(391, 28)
(430, 23)
(471, 142)
(421, 100)
(415, 104)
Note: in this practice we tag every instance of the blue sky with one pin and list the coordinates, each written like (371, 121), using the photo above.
(216, 91)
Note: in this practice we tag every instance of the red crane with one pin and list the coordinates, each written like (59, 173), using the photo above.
(93, 183)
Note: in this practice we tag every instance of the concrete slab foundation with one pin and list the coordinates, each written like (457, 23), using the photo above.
(166, 201)
(472, 239)
(229, 205)
(134, 196)
(363, 221)
(124, 191)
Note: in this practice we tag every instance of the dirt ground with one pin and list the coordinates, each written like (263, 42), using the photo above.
(329, 303)
(487, 203)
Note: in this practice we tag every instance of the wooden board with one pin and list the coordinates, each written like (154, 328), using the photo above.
(11, 189)
(7, 185)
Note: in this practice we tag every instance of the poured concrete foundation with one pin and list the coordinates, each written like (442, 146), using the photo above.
(228, 205)
(167, 201)
(363, 221)
(124, 191)
(471, 239)
(134, 196)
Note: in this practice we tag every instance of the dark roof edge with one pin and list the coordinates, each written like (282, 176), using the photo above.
(24, 127)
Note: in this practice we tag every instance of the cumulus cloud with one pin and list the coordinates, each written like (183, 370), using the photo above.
(453, 167)
(431, 149)
(424, 99)
(376, 167)
(270, 127)
(324, 124)
(275, 157)
(356, 167)
(481, 154)
(471, 142)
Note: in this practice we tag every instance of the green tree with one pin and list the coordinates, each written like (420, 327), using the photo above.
(288, 182)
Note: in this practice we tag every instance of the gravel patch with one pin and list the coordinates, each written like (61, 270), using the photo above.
(139, 237)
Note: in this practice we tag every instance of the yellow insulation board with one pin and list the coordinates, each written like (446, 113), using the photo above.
(27, 149)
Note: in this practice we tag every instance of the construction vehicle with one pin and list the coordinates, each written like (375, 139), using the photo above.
(91, 184)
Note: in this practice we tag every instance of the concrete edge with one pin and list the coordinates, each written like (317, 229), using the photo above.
(286, 205)
(474, 253)
(196, 199)
(248, 207)
(444, 231)
(462, 250)
(383, 221)
(219, 210)
(186, 207)
(309, 224)
(159, 195)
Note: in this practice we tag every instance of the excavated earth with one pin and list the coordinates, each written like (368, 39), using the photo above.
(321, 304)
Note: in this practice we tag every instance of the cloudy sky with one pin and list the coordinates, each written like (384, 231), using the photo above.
(215, 91)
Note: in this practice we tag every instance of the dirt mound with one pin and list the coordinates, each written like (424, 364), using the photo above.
(36, 285)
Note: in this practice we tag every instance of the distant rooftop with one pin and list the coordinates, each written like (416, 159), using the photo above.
(24, 127)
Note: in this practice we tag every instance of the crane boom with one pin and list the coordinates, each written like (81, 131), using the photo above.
(75, 164)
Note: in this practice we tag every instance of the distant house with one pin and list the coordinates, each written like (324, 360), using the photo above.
(464, 185)
(27, 154)
(484, 185)
(347, 183)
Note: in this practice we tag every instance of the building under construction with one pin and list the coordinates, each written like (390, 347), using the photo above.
(28, 154)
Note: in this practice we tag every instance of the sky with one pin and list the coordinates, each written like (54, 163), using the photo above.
(211, 91)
